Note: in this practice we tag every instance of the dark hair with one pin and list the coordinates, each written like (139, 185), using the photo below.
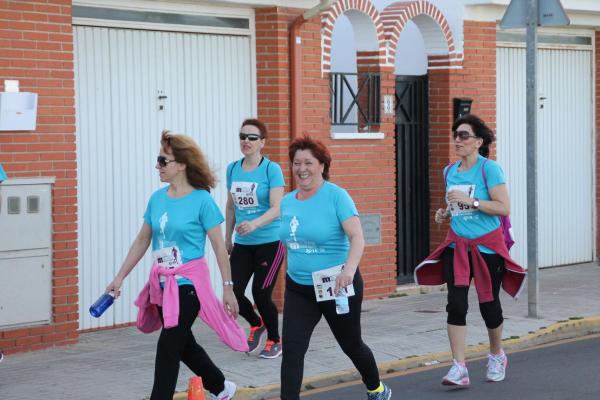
(262, 128)
(480, 129)
(186, 151)
(316, 147)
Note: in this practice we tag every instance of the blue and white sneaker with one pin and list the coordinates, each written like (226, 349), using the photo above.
(386, 394)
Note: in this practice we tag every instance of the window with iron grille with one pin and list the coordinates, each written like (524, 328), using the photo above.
(355, 99)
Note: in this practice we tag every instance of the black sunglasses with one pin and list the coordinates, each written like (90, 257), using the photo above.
(163, 161)
(463, 135)
(250, 136)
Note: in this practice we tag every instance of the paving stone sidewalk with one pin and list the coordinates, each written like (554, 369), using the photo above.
(118, 363)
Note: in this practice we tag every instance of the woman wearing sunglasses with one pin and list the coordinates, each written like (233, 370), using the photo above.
(177, 221)
(476, 197)
(256, 186)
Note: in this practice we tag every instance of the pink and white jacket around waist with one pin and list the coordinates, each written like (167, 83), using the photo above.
(211, 308)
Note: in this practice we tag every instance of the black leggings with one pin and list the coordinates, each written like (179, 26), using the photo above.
(263, 261)
(178, 344)
(458, 297)
(300, 316)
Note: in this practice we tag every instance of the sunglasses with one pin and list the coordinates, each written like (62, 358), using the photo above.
(163, 161)
(250, 136)
(463, 135)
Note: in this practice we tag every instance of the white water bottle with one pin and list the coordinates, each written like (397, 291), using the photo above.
(341, 302)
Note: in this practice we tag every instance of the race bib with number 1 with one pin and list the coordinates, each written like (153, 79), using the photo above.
(324, 283)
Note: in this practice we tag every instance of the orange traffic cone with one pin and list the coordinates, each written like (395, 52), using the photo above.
(196, 389)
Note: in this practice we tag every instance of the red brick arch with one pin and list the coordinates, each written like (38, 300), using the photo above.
(439, 43)
(375, 47)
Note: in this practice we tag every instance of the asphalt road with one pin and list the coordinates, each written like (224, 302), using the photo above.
(560, 371)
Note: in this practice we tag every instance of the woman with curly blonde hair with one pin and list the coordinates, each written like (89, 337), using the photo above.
(177, 221)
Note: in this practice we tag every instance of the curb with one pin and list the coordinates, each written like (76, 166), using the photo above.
(572, 328)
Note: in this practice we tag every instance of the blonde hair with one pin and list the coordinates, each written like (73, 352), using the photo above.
(186, 151)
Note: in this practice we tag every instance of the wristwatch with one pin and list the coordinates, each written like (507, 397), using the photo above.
(227, 283)
(475, 203)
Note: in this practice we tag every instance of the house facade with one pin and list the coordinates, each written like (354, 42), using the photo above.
(110, 76)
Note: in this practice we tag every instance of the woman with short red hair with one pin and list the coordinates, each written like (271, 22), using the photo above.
(324, 240)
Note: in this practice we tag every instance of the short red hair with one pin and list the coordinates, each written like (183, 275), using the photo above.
(316, 147)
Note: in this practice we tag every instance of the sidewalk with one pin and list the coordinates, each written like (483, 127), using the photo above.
(402, 331)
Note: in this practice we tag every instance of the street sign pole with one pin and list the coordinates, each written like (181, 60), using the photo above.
(531, 136)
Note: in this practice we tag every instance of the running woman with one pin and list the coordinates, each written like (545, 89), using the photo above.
(324, 240)
(476, 196)
(256, 187)
(177, 221)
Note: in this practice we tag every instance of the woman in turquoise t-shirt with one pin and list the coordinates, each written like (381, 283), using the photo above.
(474, 206)
(177, 221)
(255, 186)
(324, 240)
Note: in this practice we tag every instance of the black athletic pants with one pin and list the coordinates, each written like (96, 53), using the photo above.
(263, 261)
(178, 344)
(301, 314)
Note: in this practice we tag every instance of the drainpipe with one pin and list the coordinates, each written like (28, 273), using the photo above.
(296, 65)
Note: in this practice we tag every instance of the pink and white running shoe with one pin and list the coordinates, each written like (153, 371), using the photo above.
(457, 376)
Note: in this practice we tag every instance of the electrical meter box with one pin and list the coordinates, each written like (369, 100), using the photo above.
(25, 252)
(18, 111)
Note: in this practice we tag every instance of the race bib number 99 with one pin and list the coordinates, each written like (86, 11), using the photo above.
(460, 208)
(244, 194)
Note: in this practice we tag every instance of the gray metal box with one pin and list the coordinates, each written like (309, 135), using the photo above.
(25, 252)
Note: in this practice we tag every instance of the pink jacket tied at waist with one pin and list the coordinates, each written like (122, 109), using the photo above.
(431, 270)
(212, 311)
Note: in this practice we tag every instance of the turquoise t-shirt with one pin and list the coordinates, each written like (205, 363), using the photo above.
(2, 174)
(250, 191)
(312, 231)
(182, 222)
(466, 221)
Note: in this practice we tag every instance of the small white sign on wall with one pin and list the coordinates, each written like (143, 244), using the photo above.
(388, 104)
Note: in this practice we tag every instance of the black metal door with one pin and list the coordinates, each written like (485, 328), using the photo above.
(412, 167)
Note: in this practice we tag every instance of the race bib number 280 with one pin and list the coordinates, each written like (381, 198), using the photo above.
(244, 194)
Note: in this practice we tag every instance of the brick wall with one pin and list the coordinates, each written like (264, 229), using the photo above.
(476, 80)
(36, 48)
(366, 168)
(273, 93)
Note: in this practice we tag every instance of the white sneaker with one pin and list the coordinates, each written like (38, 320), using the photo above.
(457, 376)
(496, 367)
(226, 394)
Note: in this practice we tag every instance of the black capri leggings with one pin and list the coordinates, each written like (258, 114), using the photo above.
(458, 297)
(301, 314)
(263, 261)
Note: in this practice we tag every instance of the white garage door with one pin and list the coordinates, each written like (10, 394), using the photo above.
(565, 151)
(130, 85)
